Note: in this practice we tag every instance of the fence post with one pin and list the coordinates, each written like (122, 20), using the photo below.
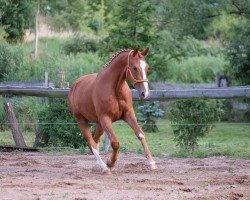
(17, 135)
(46, 79)
(106, 143)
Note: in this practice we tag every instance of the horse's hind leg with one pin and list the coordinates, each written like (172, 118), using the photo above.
(83, 124)
(98, 134)
(107, 127)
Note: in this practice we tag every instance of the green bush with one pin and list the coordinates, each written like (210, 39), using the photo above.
(148, 113)
(26, 110)
(58, 125)
(3, 117)
(73, 66)
(199, 69)
(80, 44)
(191, 119)
(185, 60)
(11, 59)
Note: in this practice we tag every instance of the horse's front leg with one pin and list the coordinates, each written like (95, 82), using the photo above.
(106, 124)
(131, 120)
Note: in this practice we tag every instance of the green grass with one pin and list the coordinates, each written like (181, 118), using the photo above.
(226, 139)
(46, 46)
(7, 139)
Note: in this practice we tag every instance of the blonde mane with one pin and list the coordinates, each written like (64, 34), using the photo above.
(115, 55)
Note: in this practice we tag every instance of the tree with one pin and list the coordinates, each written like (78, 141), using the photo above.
(16, 17)
(191, 17)
(77, 15)
(36, 30)
(133, 25)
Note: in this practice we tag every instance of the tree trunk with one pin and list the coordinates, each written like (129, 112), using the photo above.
(17, 135)
(37, 30)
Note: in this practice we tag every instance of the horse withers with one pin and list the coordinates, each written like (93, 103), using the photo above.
(105, 97)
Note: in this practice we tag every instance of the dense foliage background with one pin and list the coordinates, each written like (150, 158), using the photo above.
(190, 41)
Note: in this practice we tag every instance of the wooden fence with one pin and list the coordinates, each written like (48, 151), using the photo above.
(160, 95)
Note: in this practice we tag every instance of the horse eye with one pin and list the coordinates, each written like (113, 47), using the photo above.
(135, 69)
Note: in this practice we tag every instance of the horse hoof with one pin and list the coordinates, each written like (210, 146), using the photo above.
(153, 167)
(110, 164)
(106, 172)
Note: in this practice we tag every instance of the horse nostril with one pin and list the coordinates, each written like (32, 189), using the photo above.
(143, 94)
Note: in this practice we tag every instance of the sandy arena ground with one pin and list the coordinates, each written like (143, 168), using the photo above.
(40, 176)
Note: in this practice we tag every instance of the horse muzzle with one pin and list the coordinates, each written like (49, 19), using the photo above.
(143, 94)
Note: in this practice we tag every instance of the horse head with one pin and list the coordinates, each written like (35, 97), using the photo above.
(137, 71)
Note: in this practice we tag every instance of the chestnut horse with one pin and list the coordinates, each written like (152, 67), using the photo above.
(105, 97)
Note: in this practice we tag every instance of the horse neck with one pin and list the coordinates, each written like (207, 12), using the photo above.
(115, 73)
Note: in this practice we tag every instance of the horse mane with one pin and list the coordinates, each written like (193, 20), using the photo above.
(115, 55)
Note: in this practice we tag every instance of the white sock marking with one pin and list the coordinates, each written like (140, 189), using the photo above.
(99, 160)
(152, 162)
(141, 136)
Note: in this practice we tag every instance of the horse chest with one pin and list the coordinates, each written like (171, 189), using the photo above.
(114, 107)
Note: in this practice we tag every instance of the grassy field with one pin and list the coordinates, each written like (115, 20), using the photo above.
(226, 139)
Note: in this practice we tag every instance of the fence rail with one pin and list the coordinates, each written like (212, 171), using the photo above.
(161, 95)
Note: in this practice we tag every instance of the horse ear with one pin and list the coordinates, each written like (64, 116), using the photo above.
(135, 52)
(145, 52)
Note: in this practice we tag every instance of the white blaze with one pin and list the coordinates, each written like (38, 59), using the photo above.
(143, 66)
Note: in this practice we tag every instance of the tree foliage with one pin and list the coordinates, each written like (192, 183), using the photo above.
(132, 25)
(78, 15)
(16, 17)
(238, 53)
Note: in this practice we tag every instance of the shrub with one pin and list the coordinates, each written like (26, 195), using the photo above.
(26, 110)
(73, 66)
(80, 44)
(191, 119)
(3, 117)
(148, 114)
(11, 59)
(199, 69)
(185, 60)
(58, 125)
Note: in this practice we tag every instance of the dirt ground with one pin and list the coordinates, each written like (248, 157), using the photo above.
(40, 176)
